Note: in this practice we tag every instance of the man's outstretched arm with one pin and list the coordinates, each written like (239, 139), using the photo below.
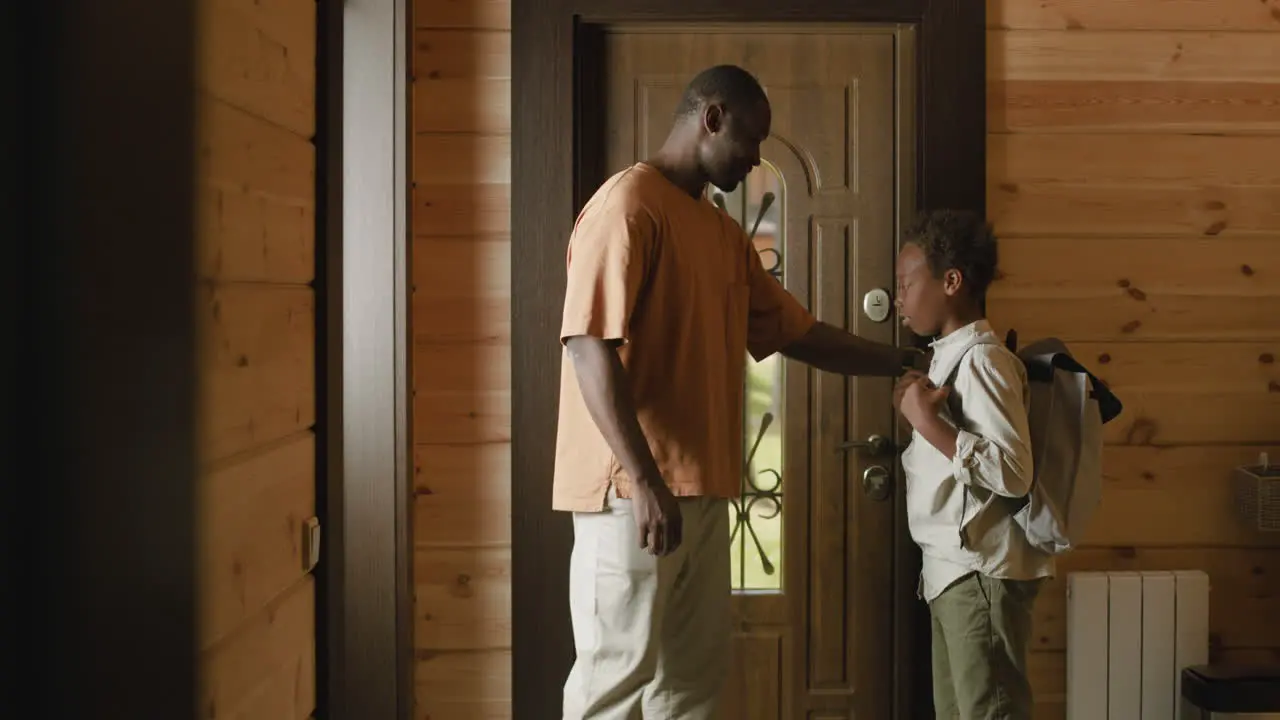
(829, 348)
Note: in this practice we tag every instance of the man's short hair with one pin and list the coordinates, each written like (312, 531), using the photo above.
(959, 240)
(736, 88)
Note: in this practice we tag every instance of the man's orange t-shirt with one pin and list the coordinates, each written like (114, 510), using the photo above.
(676, 280)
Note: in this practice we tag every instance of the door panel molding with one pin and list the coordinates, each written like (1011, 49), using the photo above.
(553, 43)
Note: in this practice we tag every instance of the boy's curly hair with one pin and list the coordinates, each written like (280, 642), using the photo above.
(960, 240)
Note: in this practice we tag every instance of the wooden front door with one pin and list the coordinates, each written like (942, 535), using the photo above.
(812, 541)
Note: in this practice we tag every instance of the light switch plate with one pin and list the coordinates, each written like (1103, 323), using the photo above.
(310, 544)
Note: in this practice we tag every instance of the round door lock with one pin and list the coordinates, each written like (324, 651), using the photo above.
(877, 305)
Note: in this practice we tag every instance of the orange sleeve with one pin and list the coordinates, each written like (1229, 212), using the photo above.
(776, 319)
(607, 266)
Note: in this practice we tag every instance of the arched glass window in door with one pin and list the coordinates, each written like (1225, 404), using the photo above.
(759, 205)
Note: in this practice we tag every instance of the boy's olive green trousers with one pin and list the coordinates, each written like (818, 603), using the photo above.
(981, 630)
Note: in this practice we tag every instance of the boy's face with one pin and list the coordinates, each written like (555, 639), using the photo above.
(923, 300)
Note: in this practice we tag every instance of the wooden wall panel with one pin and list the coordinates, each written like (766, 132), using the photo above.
(251, 532)
(255, 262)
(463, 209)
(1184, 493)
(1213, 57)
(472, 14)
(462, 358)
(1243, 15)
(260, 57)
(1133, 81)
(1126, 160)
(267, 668)
(1076, 209)
(1132, 179)
(463, 684)
(259, 365)
(462, 495)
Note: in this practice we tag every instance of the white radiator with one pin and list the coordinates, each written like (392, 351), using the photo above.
(1129, 634)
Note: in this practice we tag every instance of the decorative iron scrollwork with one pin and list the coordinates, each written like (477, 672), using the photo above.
(762, 500)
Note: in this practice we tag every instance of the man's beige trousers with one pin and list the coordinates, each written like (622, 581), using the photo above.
(652, 634)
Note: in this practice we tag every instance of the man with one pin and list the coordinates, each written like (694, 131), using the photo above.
(665, 296)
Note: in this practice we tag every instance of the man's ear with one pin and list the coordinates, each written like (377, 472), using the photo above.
(713, 118)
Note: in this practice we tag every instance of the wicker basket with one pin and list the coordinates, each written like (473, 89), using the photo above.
(1257, 490)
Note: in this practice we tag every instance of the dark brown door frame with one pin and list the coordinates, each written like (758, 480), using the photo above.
(364, 614)
(554, 170)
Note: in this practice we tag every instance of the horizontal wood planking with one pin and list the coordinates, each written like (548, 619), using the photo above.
(466, 675)
(462, 81)
(477, 320)
(461, 160)
(1157, 318)
(258, 365)
(1138, 268)
(1243, 15)
(461, 358)
(1199, 367)
(260, 57)
(1154, 496)
(248, 237)
(1111, 209)
(1133, 56)
(238, 150)
(447, 367)
(463, 285)
(463, 417)
(1132, 106)
(266, 669)
(251, 517)
(1134, 159)
(256, 203)
(1139, 288)
(256, 256)
(1245, 583)
(1189, 418)
(462, 495)
(488, 14)
(467, 684)
(461, 55)
(462, 208)
(1134, 184)
(462, 106)
(463, 598)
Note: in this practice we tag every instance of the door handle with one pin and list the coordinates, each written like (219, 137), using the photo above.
(875, 444)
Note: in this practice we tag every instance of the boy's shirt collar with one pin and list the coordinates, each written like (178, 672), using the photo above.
(961, 336)
(945, 347)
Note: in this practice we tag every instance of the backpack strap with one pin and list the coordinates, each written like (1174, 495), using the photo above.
(949, 376)
(1045, 356)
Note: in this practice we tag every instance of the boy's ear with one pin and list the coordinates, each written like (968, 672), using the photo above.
(952, 280)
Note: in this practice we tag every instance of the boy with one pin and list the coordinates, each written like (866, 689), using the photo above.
(968, 461)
